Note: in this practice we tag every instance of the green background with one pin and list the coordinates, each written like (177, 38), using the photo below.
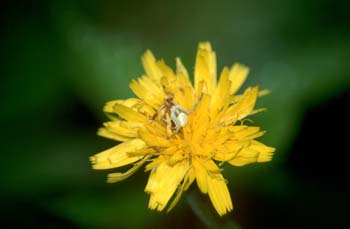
(62, 60)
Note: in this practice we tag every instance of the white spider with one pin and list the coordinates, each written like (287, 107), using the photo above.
(178, 115)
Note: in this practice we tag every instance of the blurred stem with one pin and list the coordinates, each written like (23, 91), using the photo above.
(206, 213)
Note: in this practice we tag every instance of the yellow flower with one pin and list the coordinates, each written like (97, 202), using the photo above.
(183, 132)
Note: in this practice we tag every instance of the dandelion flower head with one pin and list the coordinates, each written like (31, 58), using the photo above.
(183, 132)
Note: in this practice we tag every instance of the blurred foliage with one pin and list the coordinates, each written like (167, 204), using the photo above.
(62, 60)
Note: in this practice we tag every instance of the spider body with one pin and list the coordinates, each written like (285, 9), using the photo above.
(173, 115)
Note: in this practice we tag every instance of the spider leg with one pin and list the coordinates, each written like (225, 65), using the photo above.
(195, 105)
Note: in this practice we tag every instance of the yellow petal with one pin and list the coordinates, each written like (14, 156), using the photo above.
(191, 176)
(150, 85)
(140, 91)
(166, 70)
(104, 132)
(176, 157)
(265, 152)
(118, 155)
(123, 128)
(154, 163)
(115, 177)
(144, 108)
(163, 182)
(242, 108)
(221, 92)
(183, 96)
(143, 152)
(201, 176)
(264, 92)
(205, 69)
(227, 151)
(236, 98)
(244, 157)
(255, 111)
(169, 151)
(177, 197)
(155, 128)
(146, 90)
(199, 120)
(209, 179)
(181, 72)
(237, 76)
(134, 103)
(219, 194)
(184, 85)
(255, 152)
(128, 113)
(150, 66)
(245, 132)
(168, 84)
(153, 140)
(218, 135)
(109, 106)
(188, 180)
